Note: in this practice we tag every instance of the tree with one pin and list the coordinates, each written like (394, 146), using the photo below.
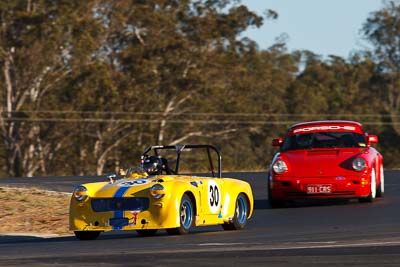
(40, 41)
(170, 50)
(382, 30)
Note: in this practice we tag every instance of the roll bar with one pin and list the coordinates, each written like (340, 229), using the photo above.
(180, 148)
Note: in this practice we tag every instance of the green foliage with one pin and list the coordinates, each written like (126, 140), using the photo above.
(87, 85)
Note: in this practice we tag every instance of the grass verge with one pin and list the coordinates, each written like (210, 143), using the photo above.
(34, 211)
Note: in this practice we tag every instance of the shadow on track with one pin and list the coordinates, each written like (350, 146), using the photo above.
(261, 204)
(8, 239)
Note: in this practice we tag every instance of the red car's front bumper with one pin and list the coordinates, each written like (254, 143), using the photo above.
(289, 188)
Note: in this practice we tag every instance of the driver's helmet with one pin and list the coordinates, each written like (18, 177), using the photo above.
(152, 164)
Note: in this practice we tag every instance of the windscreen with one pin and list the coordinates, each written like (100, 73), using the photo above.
(323, 140)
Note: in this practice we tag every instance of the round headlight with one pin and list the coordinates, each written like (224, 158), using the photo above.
(279, 166)
(157, 191)
(359, 164)
(80, 193)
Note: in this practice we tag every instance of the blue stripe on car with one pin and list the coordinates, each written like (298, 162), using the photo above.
(119, 213)
(121, 191)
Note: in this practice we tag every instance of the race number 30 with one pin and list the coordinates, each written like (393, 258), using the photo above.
(135, 182)
(214, 196)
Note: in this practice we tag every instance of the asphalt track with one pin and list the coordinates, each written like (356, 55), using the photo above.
(306, 234)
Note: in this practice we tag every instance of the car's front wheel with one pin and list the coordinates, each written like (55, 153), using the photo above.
(186, 215)
(87, 235)
(381, 187)
(240, 217)
(372, 195)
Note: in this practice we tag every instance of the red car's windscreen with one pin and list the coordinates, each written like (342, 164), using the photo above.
(323, 140)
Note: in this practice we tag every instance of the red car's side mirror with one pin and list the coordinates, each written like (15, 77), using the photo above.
(372, 139)
(277, 142)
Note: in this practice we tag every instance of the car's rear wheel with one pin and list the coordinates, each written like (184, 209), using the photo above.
(146, 232)
(186, 215)
(372, 195)
(240, 217)
(381, 188)
(87, 235)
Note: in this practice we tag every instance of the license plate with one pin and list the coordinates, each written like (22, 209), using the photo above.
(119, 222)
(319, 189)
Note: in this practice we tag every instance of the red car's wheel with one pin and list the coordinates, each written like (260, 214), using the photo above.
(372, 195)
(381, 187)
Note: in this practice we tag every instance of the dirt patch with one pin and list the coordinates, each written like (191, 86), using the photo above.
(31, 210)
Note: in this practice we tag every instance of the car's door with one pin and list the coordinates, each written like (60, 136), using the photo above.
(213, 195)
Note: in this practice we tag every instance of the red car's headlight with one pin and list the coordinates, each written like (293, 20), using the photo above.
(279, 166)
(359, 164)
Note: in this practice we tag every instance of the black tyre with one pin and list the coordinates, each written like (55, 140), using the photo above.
(87, 235)
(373, 192)
(380, 191)
(240, 217)
(146, 232)
(186, 215)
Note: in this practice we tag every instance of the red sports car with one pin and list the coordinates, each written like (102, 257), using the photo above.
(325, 159)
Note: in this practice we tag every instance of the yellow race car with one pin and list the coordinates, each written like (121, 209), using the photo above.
(155, 195)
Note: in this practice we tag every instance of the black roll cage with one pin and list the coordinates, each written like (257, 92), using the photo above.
(180, 148)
